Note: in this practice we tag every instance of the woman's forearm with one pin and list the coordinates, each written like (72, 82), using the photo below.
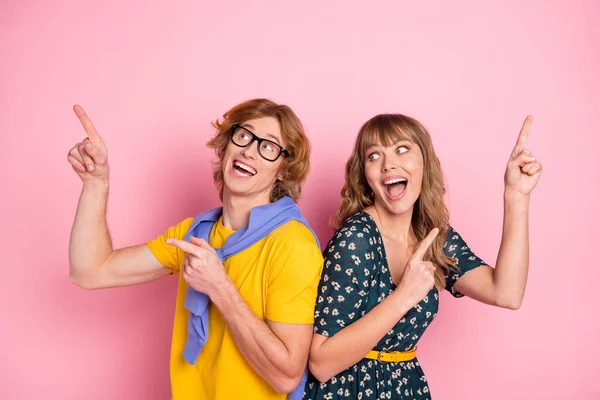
(512, 264)
(331, 355)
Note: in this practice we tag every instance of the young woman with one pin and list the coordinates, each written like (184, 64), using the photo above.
(391, 254)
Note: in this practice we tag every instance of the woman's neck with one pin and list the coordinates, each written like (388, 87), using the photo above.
(397, 227)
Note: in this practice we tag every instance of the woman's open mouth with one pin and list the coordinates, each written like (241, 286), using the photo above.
(395, 187)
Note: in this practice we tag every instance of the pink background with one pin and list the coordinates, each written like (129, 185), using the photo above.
(152, 77)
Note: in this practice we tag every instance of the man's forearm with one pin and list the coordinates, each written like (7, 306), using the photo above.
(90, 244)
(264, 351)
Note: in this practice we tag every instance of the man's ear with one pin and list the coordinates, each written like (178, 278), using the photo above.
(280, 173)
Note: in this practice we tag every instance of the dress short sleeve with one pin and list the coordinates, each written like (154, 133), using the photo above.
(456, 248)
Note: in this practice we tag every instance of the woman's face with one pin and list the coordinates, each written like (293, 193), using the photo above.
(395, 174)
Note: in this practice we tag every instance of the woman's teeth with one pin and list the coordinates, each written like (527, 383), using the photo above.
(395, 187)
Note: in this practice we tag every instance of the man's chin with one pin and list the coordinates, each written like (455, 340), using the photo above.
(247, 194)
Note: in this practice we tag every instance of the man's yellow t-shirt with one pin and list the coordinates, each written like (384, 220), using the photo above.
(277, 277)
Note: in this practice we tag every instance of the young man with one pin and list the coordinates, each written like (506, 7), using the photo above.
(256, 259)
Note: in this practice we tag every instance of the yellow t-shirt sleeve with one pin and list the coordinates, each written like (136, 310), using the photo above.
(295, 271)
(167, 255)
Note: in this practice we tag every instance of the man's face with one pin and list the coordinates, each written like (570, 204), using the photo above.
(245, 172)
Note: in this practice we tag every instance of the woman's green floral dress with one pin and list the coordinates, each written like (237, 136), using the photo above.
(355, 279)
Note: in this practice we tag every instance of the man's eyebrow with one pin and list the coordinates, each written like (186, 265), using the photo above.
(267, 135)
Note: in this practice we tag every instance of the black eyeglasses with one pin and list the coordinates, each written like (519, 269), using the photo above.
(267, 149)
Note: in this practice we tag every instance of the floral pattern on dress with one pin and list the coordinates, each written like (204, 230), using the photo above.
(355, 279)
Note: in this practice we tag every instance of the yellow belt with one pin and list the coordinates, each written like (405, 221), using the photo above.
(394, 356)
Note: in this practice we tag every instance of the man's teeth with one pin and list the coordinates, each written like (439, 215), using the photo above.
(392, 181)
(245, 168)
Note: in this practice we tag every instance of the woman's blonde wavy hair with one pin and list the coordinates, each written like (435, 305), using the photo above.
(293, 168)
(429, 211)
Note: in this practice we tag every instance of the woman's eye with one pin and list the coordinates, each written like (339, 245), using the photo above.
(401, 149)
(373, 156)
